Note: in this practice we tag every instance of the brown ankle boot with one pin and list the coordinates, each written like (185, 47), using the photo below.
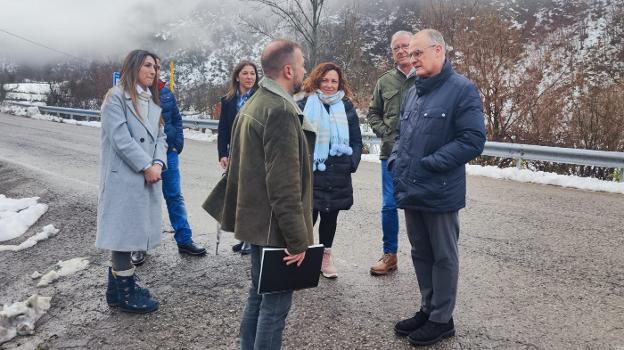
(387, 263)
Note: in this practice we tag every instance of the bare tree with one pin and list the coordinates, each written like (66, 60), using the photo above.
(304, 17)
(598, 119)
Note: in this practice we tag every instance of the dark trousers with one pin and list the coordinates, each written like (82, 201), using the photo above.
(434, 237)
(327, 226)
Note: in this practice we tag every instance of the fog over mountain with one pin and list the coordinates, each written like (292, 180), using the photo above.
(104, 30)
(95, 29)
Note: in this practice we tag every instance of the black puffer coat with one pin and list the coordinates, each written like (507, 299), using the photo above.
(332, 188)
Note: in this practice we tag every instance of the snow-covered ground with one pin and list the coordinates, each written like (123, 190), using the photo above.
(17, 215)
(47, 232)
(66, 268)
(200, 136)
(19, 318)
(514, 174)
(537, 177)
(27, 92)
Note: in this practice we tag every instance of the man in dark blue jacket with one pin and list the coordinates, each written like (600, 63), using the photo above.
(441, 128)
(172, 189)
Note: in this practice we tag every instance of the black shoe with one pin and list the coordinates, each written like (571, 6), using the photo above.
(245, 249)
(237, 247)
(405, 327)
(138, 257)
(191, 249)
(431, 332)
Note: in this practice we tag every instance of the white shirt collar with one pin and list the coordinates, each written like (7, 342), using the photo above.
(140, 90)
(409, 74)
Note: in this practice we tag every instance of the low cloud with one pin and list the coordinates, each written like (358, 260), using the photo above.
(88, 29)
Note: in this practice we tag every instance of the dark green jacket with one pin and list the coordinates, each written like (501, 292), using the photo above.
(383, 110)
(267, 197)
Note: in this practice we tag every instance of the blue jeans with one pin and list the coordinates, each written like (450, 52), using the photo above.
(265, 315)
(175, 202)
(389, 213)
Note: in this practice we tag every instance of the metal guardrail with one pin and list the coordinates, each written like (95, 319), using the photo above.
(85, 114)
(605, 159)
(89, 114)
(200, 123)
(519, 152)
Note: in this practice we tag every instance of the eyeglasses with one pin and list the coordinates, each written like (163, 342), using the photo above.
(419, 53)
(403, 47)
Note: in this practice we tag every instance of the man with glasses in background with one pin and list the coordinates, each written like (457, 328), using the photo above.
(441, 129)
(383, 113)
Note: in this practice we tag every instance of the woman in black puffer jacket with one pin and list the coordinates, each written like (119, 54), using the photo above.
(337, 151)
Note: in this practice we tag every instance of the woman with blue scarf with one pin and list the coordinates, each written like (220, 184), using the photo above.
(337, 151)
(243, 84)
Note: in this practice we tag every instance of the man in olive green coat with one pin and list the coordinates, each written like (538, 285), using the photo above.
(383, 113)
(268, 192)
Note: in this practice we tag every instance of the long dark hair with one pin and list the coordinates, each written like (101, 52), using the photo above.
(313, 81)
(129, 75)
(234, 84)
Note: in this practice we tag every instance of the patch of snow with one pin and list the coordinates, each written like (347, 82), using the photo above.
(540, 177)
(35, 275)
(48, 278)
(200, 136)
(529, 176)
(93, 124)
(67, 268)
(20, 318)
(10, 204)
(48, 231)
(14, 223)
(373, 158)
(28, 88)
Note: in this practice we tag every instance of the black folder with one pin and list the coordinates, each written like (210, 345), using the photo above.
(276, 276)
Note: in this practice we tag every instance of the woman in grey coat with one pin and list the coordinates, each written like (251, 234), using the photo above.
(133, 155)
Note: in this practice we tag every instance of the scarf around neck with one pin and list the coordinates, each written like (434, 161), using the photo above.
(332, 128)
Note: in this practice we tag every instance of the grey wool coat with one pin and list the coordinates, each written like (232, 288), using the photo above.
(129, 209)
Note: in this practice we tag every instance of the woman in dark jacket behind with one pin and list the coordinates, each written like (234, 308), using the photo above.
(337, 151)
(243, 84)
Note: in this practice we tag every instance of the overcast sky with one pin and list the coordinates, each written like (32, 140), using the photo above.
(84, 28)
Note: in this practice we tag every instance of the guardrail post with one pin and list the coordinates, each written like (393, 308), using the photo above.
(519, 163)
(621, 175)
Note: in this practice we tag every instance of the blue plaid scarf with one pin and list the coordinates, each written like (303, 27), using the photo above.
(332, 129)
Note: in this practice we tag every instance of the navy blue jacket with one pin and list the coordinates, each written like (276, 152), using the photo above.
(229, 111)
(441, 128)
(173, 121)
(333, 189)
(226, 119)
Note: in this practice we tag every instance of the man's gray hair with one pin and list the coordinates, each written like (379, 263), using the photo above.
(400, 33)
(435, 37)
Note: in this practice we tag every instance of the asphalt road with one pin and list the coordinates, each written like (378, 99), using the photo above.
(542, 267)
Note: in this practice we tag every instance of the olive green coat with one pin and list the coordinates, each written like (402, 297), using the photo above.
(266, 196)
(384, 108)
